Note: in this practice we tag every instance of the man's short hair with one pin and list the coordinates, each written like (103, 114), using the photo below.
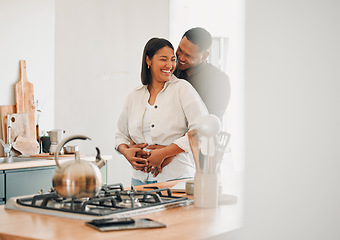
(200, 37)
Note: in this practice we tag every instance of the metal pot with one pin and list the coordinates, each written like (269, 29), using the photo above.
(70, 149)
(78, 178)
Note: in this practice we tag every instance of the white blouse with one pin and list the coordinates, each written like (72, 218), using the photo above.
(147, 132)
(177, 109)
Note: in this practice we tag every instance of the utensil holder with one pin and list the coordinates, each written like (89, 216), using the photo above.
(205, 190)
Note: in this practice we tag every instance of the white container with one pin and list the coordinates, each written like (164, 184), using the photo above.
(206, 190)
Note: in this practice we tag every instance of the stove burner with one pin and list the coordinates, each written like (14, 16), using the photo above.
(130, 203)
(111, 199)
(73, 204)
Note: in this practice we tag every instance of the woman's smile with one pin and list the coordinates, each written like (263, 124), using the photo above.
(167, 71)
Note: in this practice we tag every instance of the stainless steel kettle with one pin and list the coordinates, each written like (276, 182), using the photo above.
(78, 178)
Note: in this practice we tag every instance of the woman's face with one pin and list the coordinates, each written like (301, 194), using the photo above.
(162, 64)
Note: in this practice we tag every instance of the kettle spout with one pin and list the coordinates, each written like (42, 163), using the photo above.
(99, 161)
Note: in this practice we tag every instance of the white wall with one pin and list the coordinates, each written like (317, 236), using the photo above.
(98, 52)
(292, 120)
(27, 33)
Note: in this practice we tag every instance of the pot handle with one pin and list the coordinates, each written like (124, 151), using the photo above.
(63, 142)
(99, 161)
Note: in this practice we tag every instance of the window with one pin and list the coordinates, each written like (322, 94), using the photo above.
(219, 52)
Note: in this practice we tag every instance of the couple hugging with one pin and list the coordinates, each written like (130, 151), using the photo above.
(176, 91)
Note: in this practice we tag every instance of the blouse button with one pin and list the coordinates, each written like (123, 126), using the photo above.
(156, 106)
(152, 125)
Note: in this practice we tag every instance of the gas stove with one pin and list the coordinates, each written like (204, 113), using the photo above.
(111, 202)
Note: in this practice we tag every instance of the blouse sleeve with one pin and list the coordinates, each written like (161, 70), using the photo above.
(122, 135)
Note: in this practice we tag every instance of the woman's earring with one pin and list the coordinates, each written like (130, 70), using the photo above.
(148, 66)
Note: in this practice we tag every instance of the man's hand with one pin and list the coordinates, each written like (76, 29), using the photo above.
(141, 153)
(157, 170)
(156, 158)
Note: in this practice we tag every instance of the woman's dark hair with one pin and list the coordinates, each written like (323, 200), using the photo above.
(150, 49)
(200, 37)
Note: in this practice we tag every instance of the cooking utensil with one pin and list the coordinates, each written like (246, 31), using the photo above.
(222, 141)
(194, 145)
(56, 136)
(4, 111)
(207, 147)
(70, 149)
(208, 128)
(24, 99)
(79, 178)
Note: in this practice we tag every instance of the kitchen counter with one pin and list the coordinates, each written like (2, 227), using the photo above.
(186, 222)
(48, 161)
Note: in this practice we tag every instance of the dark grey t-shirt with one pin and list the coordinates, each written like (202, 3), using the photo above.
(211, 84)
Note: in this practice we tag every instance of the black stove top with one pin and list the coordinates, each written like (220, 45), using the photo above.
(111, 200)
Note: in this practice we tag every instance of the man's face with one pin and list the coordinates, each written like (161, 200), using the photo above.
(188, 54)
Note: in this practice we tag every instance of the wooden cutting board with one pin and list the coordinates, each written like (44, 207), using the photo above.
(26, 146)
(48, 156)
(19, 125)
(24, 98)
(4, 111)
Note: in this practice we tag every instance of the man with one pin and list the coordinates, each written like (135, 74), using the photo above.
(211, 84)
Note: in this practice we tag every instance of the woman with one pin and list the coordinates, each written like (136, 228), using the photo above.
(159, 114)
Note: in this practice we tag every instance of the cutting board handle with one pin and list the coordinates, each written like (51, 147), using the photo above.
(24, 98)
(23, 73)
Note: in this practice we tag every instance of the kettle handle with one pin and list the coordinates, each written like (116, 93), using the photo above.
(63, 142)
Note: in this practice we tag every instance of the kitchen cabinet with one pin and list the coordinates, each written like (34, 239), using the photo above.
(2, 188)
(27, 181)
